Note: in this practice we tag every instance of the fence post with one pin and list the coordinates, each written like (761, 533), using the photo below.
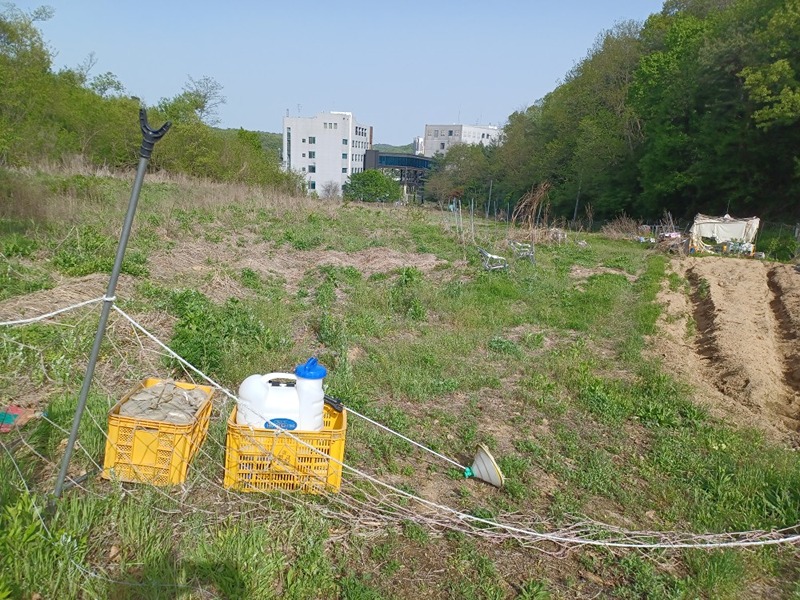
(149, 138)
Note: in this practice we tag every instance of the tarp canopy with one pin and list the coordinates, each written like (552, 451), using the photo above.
(724, 229)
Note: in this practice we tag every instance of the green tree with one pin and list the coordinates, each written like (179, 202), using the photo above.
(461, 173)
(199, 100)
(773, 82)
(25, 83)
(371, 186)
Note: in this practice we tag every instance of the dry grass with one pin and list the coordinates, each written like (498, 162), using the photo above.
(622, 227)
(32, 199)
(532, 214)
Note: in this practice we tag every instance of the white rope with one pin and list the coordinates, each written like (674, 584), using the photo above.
(549, 537)
(409, 440)
(54, 313)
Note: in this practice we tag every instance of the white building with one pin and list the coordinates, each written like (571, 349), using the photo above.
(440, 138)
(328, 147)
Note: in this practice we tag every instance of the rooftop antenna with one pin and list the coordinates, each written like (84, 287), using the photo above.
(287, 112)
(299, 107)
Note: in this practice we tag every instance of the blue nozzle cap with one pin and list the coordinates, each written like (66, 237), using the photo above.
(311, 370)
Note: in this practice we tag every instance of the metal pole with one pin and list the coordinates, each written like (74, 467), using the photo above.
(577, 199)
(150, 137)
(472, 217)
(489, 205)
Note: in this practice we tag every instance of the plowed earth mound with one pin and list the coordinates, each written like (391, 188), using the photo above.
(734, 333)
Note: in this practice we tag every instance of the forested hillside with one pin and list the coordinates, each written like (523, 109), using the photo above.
(697, 109)
(406, 149)
(48, 116)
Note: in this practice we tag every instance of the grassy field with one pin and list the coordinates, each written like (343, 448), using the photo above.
(548, 364)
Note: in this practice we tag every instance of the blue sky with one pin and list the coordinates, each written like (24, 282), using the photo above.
(395, 65)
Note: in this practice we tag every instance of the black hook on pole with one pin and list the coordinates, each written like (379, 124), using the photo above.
(149, 135)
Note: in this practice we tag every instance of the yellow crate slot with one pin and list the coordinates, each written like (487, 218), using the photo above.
(155, 452)
(263, 460)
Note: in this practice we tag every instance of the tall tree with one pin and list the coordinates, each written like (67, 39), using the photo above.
(371, 186)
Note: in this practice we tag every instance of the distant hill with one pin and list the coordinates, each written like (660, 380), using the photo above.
(272, 143)
(407, 149)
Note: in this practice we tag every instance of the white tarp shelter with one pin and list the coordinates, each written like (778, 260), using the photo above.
(724, 229)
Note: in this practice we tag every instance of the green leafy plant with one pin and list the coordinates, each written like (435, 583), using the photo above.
(404, 294)
(87, 250)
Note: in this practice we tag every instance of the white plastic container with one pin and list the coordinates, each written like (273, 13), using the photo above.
(311, 394)
(268, 404)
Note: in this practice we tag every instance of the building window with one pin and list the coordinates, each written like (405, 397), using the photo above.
(344, 141)
(344, 155)
(304, 140)
(312, 140)
(441, 146)
(344, 169)
(311, 155)
(312, 185)
(450, 132)
(326, 125)
(304, 169)
(312, 168)
(304, 154)
(435, 133)
(336, 126)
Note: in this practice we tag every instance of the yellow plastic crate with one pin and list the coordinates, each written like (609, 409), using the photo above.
(263, 460)
(155, 452)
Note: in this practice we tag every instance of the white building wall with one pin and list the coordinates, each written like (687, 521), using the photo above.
(439, 139)
(328, 147)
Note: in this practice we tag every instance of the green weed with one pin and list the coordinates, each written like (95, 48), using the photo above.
(502, 345)
(644, 580)
(86, 250)
(18, 280)
(718, 573)
(18, 245)
(404, 294)
(211, 336)
(415, 532)
(534, 590)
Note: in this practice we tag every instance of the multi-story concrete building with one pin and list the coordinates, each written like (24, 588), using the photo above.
(440, 138)
(326, 149)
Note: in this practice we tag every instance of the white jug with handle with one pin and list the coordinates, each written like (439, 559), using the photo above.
(265, 403)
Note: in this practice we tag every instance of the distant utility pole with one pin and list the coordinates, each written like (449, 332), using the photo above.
(577, 199)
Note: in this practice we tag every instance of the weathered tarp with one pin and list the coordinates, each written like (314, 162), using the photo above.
(165, 402)
(724, 229)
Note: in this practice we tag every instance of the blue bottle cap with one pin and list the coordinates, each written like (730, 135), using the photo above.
(311, 370)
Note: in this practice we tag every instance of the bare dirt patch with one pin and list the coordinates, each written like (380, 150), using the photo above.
(67, 291)
(581, 273)
(212, 268)
(736, 338)
(201, 261)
